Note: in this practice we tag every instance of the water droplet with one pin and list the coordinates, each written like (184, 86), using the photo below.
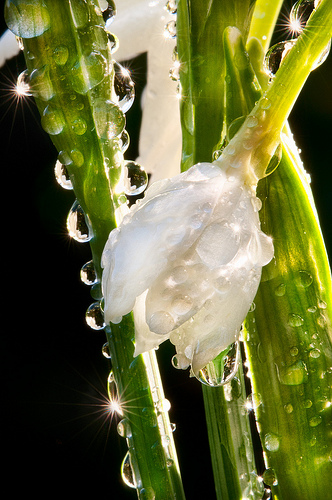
(124, 140)
(294, 374)
(280, 290)
(106, 351)
(252, 121)
(275, 56)
(113, 42)
(62, 176)
(181, 304)
(294, 351)
(79, 126)
(22, 87)
(109, 120)
(314, 353)
(147, 494)
(27, 20)
(41, 84)
(171, 6)
(170, 30)
(180, 362)
(288, 409)
(161, 322)
(269, 477)
(271, 442)
(123, 87)
(77, 157)
(20, 43)
(60, 55)
(123, 428)
(172, 426)
(127, 472)
(307, 403)
(109, 13)
(88, 273)
(303, 279)
(295, 320)
(94, 316)
(300, 13)
(265, 103)
(222, 369)
(53, 120)
(77, 225)
(136, 179)
(88, 72)
(314, 421)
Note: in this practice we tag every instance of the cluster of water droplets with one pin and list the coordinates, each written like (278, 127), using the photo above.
(299, 15)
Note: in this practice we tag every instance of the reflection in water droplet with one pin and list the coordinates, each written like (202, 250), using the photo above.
(170, 30)
(303, 279)
(171, 6)
(113, 42)
(222, 369)
(109, 13)
(88, 273)
(271, 442)
(76, 224)
(300, 13)
(127, 472)
(62, 176)
(105, 351)
(22, 87)
(136, 179)
(94, 316)
(125, 140)
(123, 428)
(88, 72)
(275, 56)
(124, 87)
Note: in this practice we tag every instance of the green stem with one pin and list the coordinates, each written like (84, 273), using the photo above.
(289, 342)
(263, 22)
(71, 77)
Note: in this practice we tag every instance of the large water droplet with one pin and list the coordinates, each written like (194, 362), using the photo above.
(294, 374)
(41, 84)
(170, 30)
(109, 119)
(88, 273)
(127, 472)
(53, 120)
(295, 320)
(108, 13)
(300, 13)
(62, 176)
(77, 226)
(22, 87)
(303, 279)
(88, 72)
(275, 56)
(269, 477)
(136, 179)
(171, 6)
(271, 442)
(223, 368)
(123, 428)
(124, 87)
(94, 316)
(113, 42)
(28, 20)
(60, 55)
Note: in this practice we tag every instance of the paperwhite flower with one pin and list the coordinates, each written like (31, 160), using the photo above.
(190, 254)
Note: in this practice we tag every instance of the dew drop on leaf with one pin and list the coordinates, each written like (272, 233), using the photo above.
(62, 176)
(136, 178)
(77, 225)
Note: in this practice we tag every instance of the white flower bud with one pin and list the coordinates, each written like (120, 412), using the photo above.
(190, 255)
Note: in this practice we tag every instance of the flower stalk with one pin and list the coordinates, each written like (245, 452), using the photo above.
(71, 75)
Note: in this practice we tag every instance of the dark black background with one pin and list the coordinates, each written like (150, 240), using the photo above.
(53, 375)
